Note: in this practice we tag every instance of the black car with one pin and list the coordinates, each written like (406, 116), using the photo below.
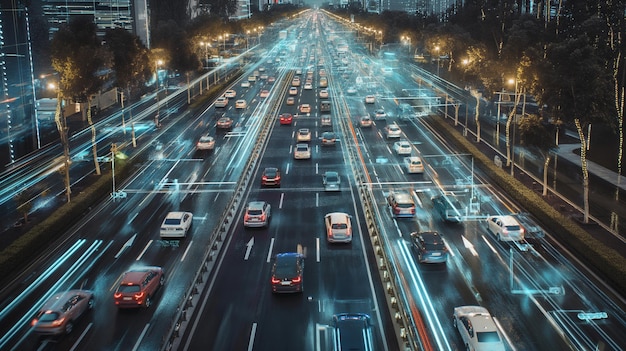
(287, 273)
(353, 331)
(429, 247)
(448, 207)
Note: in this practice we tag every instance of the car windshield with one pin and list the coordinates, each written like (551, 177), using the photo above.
(255, 212)
(340, 226)
(491, 336)
(271, 172)
(437, 246)
(286, 267)
(49, 317)
(405, 205)
(129, 288)
(301, 148)
(172, 221)
(332, 178)
(512, 227)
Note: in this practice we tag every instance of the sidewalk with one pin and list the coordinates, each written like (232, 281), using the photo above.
(567, 152)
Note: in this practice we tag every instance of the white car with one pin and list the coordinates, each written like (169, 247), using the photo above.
(206, 142)
(477, 328)
(230, 93)
(304, 134)
(302, 152)
(176, 225)
(351, 91)
(338, 227)
(380, 114)
(370, 99)
(264, 93)
(323, 94)
(308, 86)
(221, 101)
(251, 78)
(413, 164)
(305, 108)
(366, 121)
(239, 104)
(393, 131)
(293, 91)
(291, 100)
(245, 84)
(402, 147)
(505, 228)
(258, 214)
(295, 82)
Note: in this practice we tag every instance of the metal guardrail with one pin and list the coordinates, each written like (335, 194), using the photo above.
(227, 218)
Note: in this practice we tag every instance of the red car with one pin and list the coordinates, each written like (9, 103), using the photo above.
(286, 118)
(270, 177)
(137, 287)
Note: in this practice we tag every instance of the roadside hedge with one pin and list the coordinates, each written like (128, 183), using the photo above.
(605, 260)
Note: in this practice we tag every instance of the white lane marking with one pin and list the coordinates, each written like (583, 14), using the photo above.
(186, 251)
(282, 197)
(287, 169)
(144, 250)
(269, 254)
(252, 334)
(133, 218)
(143, 333)
(317, 199)
(80, 338)
(317, 249)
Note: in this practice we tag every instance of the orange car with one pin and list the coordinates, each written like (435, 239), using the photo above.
(138, 286)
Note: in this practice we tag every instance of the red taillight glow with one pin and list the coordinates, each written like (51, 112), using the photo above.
(117, 295)
(296, 280)
(275, 281)
(139, 296)
(58, 322)
(34, 322)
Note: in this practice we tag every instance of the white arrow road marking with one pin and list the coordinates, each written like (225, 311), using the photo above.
(128, 244)
(248, 248)
(469, 246)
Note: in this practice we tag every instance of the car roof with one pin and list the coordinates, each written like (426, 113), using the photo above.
(176, 214)
(331, 173)
(413, 159)
(431, 237)
(256, 205)
(479, 316)
(136, 276)
(402, 196)
(57, 301)
(338, 217)
(508, 220)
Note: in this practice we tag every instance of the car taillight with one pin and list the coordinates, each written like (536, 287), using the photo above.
(275, 281)
(246, 217)
(413, 210)
(139, 295)
(117, 295)
(262, 217)
(34, 322)
(264, 178)
(58, 322)
(297, 279)
(396, 210)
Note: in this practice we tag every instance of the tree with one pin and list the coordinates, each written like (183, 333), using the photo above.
(24, 204)
(535, 136)
(577, 88)
(131, 63)
(78, 56)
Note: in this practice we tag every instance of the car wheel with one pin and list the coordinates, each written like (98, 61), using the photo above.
(498, 236)
(90, 303)
(69, 326)
(162, 280)
(454, 322)
(148, 302)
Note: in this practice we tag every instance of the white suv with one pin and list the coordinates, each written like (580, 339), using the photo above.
(176, 225)
(258, 214)
(505, 228)
(477, 328)
(338, 227)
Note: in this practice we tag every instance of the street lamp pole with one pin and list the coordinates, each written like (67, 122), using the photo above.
(156, 71)
(437, 48)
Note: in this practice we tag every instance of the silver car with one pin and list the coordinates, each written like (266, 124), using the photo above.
(60, 312)
(331, 181)
(258, 214)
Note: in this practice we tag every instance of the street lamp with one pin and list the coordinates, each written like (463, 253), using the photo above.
(512, 119)
(247, 40)
(437, 48)
(407, 39)
(157, 63)
(206, 52)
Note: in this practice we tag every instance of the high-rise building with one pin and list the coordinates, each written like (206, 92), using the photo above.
(19, 125)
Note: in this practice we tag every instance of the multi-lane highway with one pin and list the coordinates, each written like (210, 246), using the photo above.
(217, 293)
